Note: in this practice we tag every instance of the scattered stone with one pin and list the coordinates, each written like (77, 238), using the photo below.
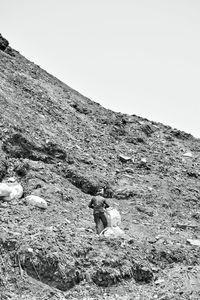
(146, 210)
(36, 201)
(193, 242)
(152, 240)
(196, 215)
(159, 281)
(148, 129)
(192, 173)
(185, 226)
(124, 158)
(188, 154)
(143, 160)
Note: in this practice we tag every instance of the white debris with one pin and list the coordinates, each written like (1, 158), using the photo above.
(194, 242)
(124, 158)
(159, 281)
(10, 191)
(112, 232)
(144, 160)
(113, 217)
(11, 179)
(187, 154)
(36, 201)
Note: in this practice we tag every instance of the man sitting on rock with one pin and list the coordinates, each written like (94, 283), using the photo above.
(99, 204)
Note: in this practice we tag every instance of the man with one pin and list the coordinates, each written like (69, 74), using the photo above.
(99, 204)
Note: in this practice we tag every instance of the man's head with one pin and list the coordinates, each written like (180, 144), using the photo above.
(100, 192)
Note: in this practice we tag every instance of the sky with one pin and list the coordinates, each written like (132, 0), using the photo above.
(137, 57)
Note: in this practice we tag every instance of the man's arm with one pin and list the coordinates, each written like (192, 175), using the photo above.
(106, 205)
(91, 204)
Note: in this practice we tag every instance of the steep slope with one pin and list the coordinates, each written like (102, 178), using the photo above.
(62, 146)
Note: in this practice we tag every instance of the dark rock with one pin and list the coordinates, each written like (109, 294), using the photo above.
(145, 210)
(148, 129)
(180, 134)
(3, 43)
(81, 108)
(125, 193)
(192, 173)
(22, 168)
(9, 51)
(196, 215)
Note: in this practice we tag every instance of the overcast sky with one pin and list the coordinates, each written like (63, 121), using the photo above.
(133, 56)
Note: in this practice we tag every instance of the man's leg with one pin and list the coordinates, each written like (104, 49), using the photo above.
(103, 219)
(97, 221)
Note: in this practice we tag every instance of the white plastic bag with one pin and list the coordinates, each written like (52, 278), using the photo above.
(113, 232)
(113, 217)
(10, 191)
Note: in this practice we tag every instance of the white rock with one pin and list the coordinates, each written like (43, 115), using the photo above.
(10, 191)
(187, 154)
(36, 201)
(124, 158)
(144, 160)
(194, 242)
(11, 179)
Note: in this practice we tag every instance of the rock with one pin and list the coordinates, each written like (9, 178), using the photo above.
(143, 164)
(159, 281)
(3, 43)
(36, 201)
(146, 210)
(143, 160)
(124, 158)
(194, 242)
(196, 215)
(125, 193)
(188, 154)
(192, 173)
(22, 169)
(185, 226)
(148, 129)
(10, 191)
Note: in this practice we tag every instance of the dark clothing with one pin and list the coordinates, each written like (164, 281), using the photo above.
(99, 204)
(100, 221)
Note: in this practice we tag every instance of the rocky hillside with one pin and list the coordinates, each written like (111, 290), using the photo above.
(63, 147)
